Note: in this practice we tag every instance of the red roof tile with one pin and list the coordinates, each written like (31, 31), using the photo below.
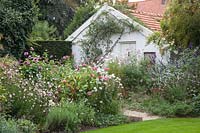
(150, 12)
(152, 21)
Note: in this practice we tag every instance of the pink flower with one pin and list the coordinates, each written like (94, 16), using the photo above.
(32, 49)
(26, 53)
(89, 93)
(94, 68)
(84, 65)
(27, 63)
(64, 81)
(106, 78)
(77, 68)
(92, 75)
(106, 69)
(36, 59)
(65, 57)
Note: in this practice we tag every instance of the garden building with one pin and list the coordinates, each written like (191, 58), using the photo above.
(122, 45)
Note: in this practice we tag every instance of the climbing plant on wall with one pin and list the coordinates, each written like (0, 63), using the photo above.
(99, 43)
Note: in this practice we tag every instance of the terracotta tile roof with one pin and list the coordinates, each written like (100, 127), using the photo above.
(150, 20)
(150, 6)
(150, 12)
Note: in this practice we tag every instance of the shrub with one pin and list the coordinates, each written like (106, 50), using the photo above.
(69, 116)
(175, 93)
(32, 87)
(178, 80)
(134, 75)
(8, 126)
(196, 104)
(104, 120)
(26, 126)
(57, 49)
(16, 25)
(36, 86)
(160, 106)
(93, 84)
(19, 126)
(43, 31)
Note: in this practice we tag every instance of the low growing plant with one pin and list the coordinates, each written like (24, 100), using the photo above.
(69, 116)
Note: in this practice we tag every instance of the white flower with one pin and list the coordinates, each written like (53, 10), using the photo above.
(51, 103)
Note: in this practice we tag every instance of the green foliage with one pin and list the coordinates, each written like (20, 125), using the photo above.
(180, 25)
(16, 24)
(57, 49)
(43, 31)
(32, 87)
(68, 117)
(19, 126)
(175, 93)
(57, 13)
(178, 83)
(105, 120)
(196, 104)
(8, 126)
(26, 126)
(135, 75)
(38, 84)
(93, 84)
(81, 15)
(162, 107)
(182, 74)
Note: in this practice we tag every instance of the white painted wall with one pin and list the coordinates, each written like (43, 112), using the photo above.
(139, 48)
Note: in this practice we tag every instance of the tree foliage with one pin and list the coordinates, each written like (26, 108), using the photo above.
(43, 31)
(16, 21)
(81, 15)
(180, 25)
(57, 13)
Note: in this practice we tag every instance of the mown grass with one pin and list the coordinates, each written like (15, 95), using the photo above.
(177, 125)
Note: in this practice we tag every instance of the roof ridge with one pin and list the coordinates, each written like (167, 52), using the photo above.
(147, 13)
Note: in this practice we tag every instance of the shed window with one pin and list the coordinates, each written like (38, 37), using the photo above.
(151, 56)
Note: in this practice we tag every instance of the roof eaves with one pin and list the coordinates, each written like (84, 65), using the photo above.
(145, 31)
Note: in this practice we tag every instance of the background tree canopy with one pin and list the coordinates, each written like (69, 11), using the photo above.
(181, 23)
(17, 19)
(58, 13)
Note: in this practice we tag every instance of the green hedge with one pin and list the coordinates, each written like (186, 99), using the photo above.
(57, 49)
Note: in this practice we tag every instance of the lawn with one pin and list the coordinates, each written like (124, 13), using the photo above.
(181, 125)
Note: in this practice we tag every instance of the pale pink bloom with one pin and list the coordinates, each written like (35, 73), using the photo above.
(106, 69)
(89, 93)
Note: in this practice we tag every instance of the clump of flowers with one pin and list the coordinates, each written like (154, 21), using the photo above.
(93, 84)
(33, 85)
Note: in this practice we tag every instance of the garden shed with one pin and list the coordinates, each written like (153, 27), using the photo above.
(123, 46)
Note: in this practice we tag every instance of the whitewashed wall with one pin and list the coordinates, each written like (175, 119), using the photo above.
(139, 47)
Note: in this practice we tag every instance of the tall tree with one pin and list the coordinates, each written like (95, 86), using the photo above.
(58, 13)
(16, 22)
(181, 23)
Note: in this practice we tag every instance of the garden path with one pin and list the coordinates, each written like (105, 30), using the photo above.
(139, 116)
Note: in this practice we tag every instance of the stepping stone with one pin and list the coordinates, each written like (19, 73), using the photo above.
(139, 116)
